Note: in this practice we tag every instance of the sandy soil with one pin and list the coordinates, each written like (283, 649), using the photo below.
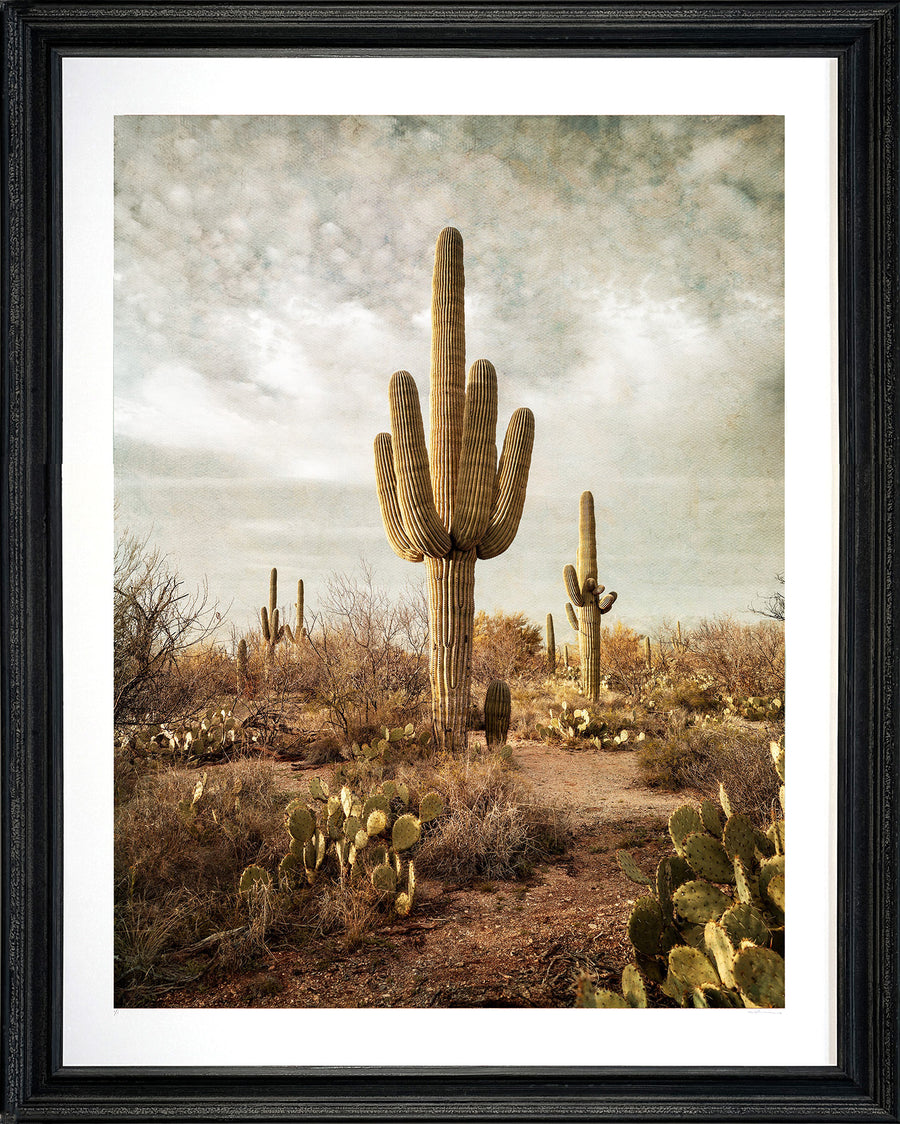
(500, 944)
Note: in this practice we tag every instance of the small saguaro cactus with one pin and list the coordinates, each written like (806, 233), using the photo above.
(295, 635)
(587, 597)
(456, 502)
(272, 631)
(551, 645)
(647, 653)
(243, 667)
(497, 709)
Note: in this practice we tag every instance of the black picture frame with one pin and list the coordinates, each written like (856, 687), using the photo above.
(864, 1085)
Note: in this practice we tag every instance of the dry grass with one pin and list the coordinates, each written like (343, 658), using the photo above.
(493, 828)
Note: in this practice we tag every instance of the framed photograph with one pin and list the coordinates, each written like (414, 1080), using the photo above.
(370, 851)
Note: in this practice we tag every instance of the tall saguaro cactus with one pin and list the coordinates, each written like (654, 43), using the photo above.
(295, 635)
(272, 631)
(587, 596)
(457, 502)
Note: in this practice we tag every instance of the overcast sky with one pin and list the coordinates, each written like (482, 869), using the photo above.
(624, 275)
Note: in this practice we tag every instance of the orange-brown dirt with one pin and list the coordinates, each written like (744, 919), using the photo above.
(497, 944)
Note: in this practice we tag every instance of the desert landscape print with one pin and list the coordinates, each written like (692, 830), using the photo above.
(449, 659)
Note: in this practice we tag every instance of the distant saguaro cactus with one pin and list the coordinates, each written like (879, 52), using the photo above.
(272, 631)
(458, 503)
(551, 645)
(647, 653)
(586, 594)
(295, 635)
(497, 711)
(243, 667)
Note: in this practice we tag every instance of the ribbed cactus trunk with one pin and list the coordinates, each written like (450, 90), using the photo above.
(451, 613)
(454, 503)
(586, 595)
(551, 645)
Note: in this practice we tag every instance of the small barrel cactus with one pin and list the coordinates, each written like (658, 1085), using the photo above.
(497, 706)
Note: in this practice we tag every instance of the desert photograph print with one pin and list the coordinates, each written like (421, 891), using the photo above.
(449, 603)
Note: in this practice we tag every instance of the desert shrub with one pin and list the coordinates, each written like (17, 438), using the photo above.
(159, 632)
(492, 829)
(506, 646)
(699, 757)
(742, 659)
(623, 661)
(370, 653)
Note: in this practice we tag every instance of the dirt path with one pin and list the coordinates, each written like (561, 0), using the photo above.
(500, 944)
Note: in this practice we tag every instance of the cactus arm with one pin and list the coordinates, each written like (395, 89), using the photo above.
(512, 478)
(414, 490)
(587, 539)
(573, 586)
(275, 627)
(478, 458)
(448, 369)
(607, 602)
(264, 622)
(387, 498)
(573, 620)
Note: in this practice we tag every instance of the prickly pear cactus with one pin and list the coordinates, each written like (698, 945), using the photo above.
(456, 501)
(587, 595)
(712, 935)
(344, 834)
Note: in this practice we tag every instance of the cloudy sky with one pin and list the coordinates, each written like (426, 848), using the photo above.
(624, 275)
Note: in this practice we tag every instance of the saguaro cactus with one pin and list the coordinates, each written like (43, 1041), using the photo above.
(272, 631)
(456, 503)
(295, 635)
(243, 667)
(497, 711)
(587, 597)
(551, 645)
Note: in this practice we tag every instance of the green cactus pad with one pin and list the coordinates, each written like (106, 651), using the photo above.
(699, 902)
(361, 839)
(631, 869)
(767, 871)
(759, 973)
(301, 825)
(376, 802)
(403, 904)
(332, 806)
(711, 815)
(724, 801)
(352, 825)
(720, 948)
(742, 880)
(744, 922)
(689, 968)
(384, 878)
(389, 790)
(781, 797)
(739, 838)
(289, 871)
(430, 807)
(683, 822)
(335, 825)
(775, 833)
(715, 997)
(777, 750)
(403, 793)
(252, 877)
(406, 832)
(376, 822)
(708, 858)
(633, 987)
(346, 799)
(671, 873)
(775, 893)
(645, 926)
(601, 997)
